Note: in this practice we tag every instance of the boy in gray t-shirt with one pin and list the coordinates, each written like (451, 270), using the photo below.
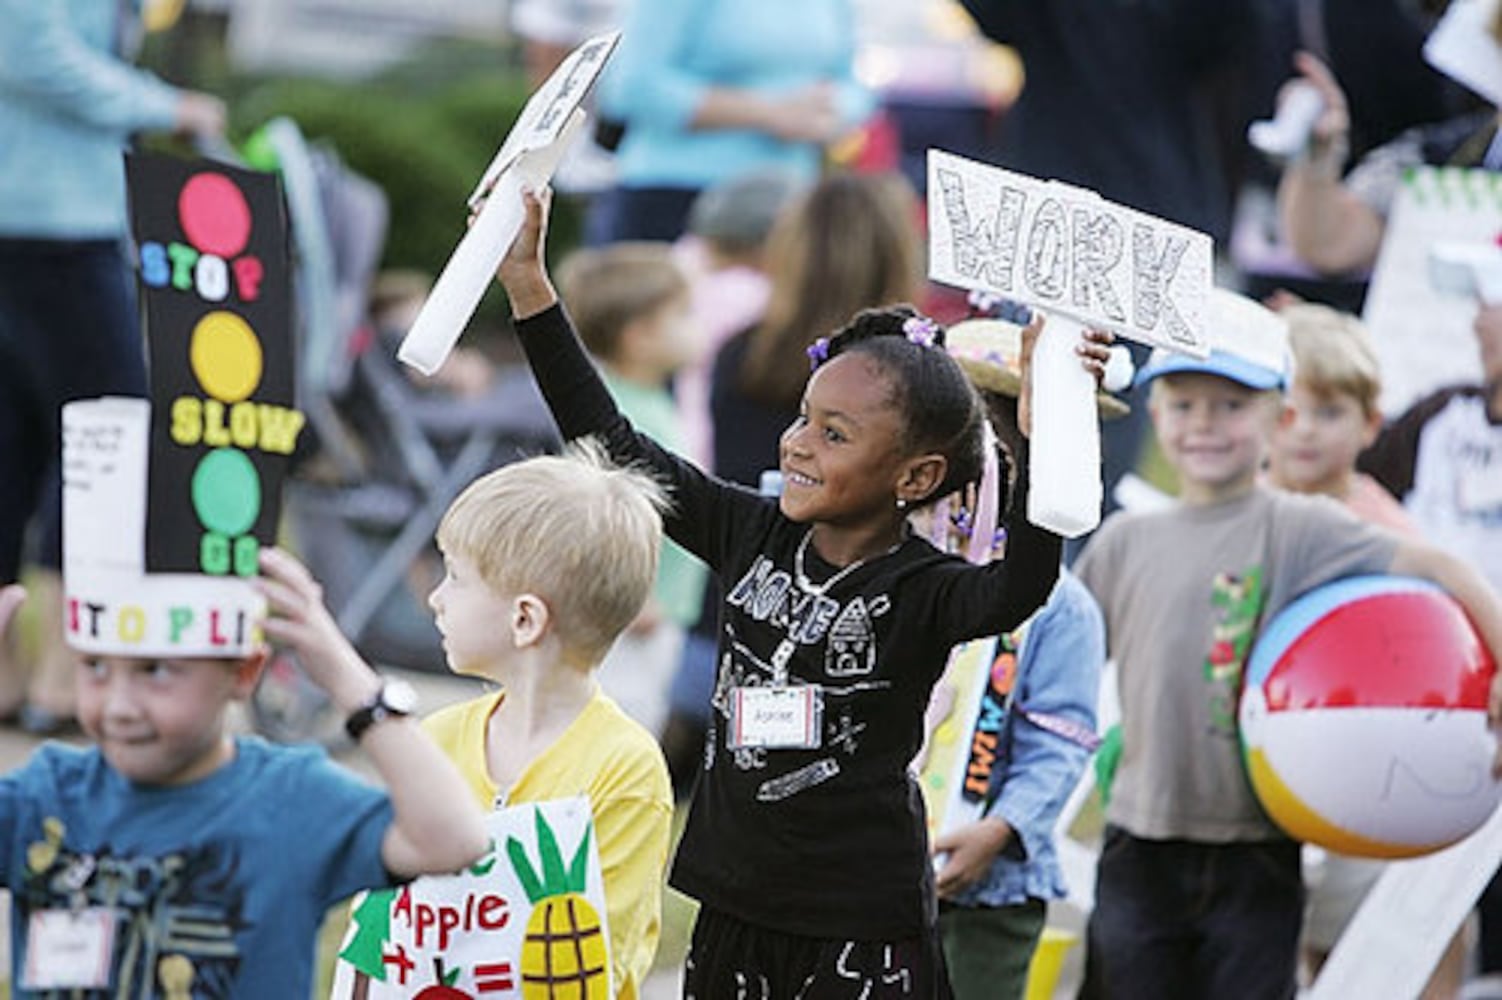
(1198, 893)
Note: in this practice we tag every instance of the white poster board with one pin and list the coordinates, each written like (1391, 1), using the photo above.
(1404, 925)
(1423, 336)
(105, 448)
(527, 919)
(1069, 251)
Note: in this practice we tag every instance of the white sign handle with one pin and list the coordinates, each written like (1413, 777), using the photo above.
(1066, 490)
(472, 267)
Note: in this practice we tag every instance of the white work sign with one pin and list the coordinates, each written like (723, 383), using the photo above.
(1068, 251)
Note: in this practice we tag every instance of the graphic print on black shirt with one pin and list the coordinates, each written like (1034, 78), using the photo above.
(801, 614)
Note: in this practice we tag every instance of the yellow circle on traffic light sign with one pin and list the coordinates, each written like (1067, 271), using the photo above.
(225, 354)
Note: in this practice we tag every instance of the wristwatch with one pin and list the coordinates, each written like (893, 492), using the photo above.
(395, 699)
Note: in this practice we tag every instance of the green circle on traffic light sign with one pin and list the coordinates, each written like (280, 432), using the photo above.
(227, 492)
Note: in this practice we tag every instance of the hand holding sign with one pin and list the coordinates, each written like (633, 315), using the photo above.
(11, 597)
(1070, 253)
(526, 160)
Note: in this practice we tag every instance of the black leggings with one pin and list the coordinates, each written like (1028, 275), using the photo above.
(733, 960)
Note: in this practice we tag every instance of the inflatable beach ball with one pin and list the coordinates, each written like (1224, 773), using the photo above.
(1363, 719)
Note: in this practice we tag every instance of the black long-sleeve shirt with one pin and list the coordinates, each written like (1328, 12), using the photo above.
(826, 842)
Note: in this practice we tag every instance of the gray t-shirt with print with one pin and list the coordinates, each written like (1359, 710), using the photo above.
(1183, 592)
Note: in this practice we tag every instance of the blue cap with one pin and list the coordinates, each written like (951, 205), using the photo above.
(1222, 363)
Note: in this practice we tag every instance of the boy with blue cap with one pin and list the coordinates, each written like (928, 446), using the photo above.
(1198, 893)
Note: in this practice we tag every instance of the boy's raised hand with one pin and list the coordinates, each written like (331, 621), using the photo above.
(1334, 123)
(11, 597)
(300, 619)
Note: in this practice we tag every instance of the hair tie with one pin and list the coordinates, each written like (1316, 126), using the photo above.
(921, 330)
(818, 352)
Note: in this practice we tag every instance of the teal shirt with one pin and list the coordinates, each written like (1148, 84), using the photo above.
(680, 576)
(673, 52)
(68, 105)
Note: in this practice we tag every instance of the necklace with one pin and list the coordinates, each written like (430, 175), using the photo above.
(818, 589)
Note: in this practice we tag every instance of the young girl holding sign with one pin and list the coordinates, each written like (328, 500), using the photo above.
(806, 840)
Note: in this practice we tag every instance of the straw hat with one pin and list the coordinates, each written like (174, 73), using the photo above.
(988, 350)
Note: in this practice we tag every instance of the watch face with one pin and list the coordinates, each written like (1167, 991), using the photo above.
(400, 696)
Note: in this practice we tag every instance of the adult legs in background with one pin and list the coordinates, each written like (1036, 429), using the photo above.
(68, 330)
(625, 213)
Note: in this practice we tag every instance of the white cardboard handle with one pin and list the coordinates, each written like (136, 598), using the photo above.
(1066, 491)
(472, 266)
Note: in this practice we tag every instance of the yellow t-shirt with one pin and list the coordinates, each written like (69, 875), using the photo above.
(615, 762)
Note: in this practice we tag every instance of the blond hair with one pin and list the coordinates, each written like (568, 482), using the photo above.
(607, 288)
(1333, 354)
(577, 530)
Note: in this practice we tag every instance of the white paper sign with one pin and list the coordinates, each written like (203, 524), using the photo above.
(1392, 945)
(105, 446)
(1067, 250)
(1423, 336)
(531, 911)
(542, 121)
(528, 158)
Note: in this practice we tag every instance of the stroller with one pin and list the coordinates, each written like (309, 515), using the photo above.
(388, 456)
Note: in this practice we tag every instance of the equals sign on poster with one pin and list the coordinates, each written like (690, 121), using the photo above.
(494, 978)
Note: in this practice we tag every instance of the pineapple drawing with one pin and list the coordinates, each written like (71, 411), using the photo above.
(564, 955)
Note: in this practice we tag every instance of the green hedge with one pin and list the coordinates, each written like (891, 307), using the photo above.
(424, 131)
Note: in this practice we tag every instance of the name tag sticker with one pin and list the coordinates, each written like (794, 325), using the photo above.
(69, 948)
(779, 718)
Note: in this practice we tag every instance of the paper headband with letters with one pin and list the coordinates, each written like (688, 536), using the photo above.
(168, 501)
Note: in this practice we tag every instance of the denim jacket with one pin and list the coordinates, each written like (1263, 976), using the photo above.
(1058, 676)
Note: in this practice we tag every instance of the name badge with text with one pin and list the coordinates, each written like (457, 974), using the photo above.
(69, 948)
(777, 718)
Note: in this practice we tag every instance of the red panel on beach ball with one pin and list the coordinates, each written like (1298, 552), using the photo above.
(1409, 649)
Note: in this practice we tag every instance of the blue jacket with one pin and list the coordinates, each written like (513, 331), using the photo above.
(1058, 674)
(68, 104)
(673, 51)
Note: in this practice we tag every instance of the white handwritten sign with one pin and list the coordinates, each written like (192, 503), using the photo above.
(528, 158)
(528, 919)
(104, 485)
(1068, 251)
(542, 121)
(1423, 335)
